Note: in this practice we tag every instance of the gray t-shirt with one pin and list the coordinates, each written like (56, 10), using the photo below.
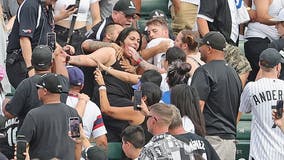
(106, 7)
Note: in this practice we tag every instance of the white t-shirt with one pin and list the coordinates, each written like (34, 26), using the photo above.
(187, 124)
(266, 142)
(83, 11)
(157, 59)
(92, 120)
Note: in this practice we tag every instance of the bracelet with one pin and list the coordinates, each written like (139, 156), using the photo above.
(30, 68)
(102, 87)
(139, 60)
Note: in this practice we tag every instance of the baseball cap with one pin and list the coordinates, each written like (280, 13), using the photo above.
(51, 82)
(157, 14)
(94, 153)
(214, 39)
(279, 17)
(41, 57)
(76, 76)
(126, 6)
(149, 76)
(270, 57)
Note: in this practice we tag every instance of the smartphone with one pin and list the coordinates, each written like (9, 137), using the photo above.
(70, 6)
(279, 109)
(21, 147)
(51, 40)
(74, 126)
(137, 100)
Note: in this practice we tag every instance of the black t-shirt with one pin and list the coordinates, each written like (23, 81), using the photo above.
(26, 97)
(26, 25)
(46, 129)
(198, 145)
(218, 11)
(219, 86)
(98, 31)
(119, 94)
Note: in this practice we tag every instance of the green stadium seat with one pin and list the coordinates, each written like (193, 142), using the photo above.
(114, 151)
(242, 149)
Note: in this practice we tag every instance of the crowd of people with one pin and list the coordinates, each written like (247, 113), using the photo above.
(75, 69)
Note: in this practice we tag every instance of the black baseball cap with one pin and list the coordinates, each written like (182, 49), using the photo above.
(213, 39)
(270, 57)
(94, 153)
(51, 82)
(41, 57)
(125, 6)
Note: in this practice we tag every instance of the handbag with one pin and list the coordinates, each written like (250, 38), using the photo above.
(242, 13)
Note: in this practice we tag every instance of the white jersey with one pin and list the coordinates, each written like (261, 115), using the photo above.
(92, 120)
(266, 143)
(157, 60)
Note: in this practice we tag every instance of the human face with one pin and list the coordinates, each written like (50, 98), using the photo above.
(132, 40)
(280, 28)
(156, 31)
(178, 41)
(204, 49)
(123, 19)
(151, 120)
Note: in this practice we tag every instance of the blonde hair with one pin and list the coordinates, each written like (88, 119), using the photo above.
(163, 112)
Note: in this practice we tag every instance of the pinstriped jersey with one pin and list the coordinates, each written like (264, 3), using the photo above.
(258, 97)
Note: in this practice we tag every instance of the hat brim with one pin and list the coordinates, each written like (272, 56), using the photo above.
(131, 12)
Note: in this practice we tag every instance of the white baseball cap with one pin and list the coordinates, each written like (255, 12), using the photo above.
(279, 17)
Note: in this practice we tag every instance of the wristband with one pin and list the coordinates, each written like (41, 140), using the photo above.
(30, 68)
(102, 87)
(139, 60)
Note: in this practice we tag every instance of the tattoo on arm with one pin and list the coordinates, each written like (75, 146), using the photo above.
(146, 66)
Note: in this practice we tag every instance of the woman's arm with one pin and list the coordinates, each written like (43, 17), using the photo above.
(104, 55)
(124, 76)
(121, 113)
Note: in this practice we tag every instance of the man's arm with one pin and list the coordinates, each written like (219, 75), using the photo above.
(202, 104)
(26, 47)
(202, 26)
(95, 12)
(101, 141)
(262, 12)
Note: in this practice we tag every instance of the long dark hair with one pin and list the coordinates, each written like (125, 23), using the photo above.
(124, 33)
(186, 99)
(178, 73)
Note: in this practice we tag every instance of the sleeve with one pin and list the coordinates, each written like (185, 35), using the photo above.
(99, 127)
(16, 105)
(245, 105)
(27, 18)
(206, 11)
(28, 128)
(200, 81)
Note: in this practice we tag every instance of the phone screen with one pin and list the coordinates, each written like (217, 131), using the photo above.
(279, 109)
(137, 99)
(51, 40)
(21, 147)
(74, 125)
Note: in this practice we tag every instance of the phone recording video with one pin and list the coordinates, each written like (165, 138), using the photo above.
(279, 109)
(137, 100)
(51, 40)
(74, 125)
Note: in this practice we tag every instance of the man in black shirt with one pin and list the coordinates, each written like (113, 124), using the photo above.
(33, 21)
(219, 89)
(123, 13)
(48, 137)
(25, 97)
